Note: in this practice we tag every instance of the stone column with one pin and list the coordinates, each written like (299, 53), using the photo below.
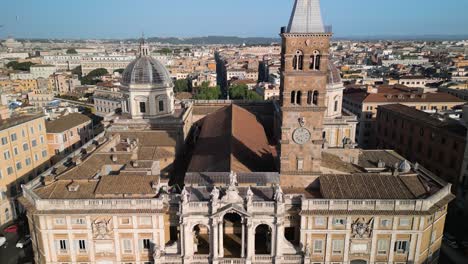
(243, 240)
(215, 241)
(250, 241)
(221, 242)
(279, 238)
(188, 242)
(182, 239)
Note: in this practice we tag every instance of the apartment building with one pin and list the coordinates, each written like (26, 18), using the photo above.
(23, 156)
(67, 133)
(433, 140)
(365, 102)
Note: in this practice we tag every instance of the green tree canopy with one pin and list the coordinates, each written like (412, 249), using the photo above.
(208, 93)
(181, 85)
(242, 92)
(20, 66)
(165, 51)
(72, 51)
(91, 78)
(77, 70)
(119, 70)
(98, 72)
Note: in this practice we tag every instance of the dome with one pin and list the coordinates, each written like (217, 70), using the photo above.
(146, 70)
(334, 76)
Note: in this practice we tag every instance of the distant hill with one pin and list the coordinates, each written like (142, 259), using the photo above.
(210, 40)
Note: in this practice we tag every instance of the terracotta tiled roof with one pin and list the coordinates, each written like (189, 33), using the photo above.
(128, 184)
(371, 186)
(59, 190)
(66, 122)
(231, 139)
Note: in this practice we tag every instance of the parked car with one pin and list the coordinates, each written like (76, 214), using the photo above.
(23, 242)
(11, 229)
(2, 240)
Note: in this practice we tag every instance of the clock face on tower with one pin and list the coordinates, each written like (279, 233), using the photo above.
(301, 135)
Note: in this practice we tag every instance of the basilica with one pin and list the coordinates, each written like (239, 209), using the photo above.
(237, 182)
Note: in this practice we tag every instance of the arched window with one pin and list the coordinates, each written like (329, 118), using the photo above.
(314, 63)
(299, 97)
(293, 97)
(315, 98)
(298, 60)
(311, 62)
(309, 97)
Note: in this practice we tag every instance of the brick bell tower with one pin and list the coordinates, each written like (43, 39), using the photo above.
(304, 60)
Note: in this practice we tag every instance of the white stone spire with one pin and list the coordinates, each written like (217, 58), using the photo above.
(306, 17)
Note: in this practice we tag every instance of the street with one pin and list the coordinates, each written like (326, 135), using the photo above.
(9, 254)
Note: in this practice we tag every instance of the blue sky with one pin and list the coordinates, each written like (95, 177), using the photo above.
(184, 18)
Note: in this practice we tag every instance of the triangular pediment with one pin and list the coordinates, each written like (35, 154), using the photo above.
(232, 208)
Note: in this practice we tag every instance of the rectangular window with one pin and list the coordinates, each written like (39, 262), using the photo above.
(59, 221)
(145, 244)
(44, 153)
(13, 137)
(319, 221)
(4, 140)
(339, 221)
(36, 157)
(15, 151)
(127, 246)
(27, 161)
(19, 166)
(125, 221)
(142, 107)
(382, 247)
(405, 222)
(385, 223)
(42, 139)
(71, 133)
(318, 246)
(337, 246)
(40, 127)
(79, 221)
(145, 220)
(82, 245)
(62, 245)
(401, 246)
(32, 130)
(25, 146)
(23, 133)
(161, 106)
(10, 170)
(34, 143)
(6, 155)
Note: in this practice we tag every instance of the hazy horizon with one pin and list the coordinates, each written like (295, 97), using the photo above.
(123, 19)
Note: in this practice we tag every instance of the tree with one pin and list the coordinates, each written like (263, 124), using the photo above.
(77, 70)
(72, 51)
(181, 85)
(165, 51)
(120, 71)
(97, 73)
(242, 92)
(93, 76)
(20, 66)
(208, 93)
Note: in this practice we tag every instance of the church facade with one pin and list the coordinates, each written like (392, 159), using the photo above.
(235, 183)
